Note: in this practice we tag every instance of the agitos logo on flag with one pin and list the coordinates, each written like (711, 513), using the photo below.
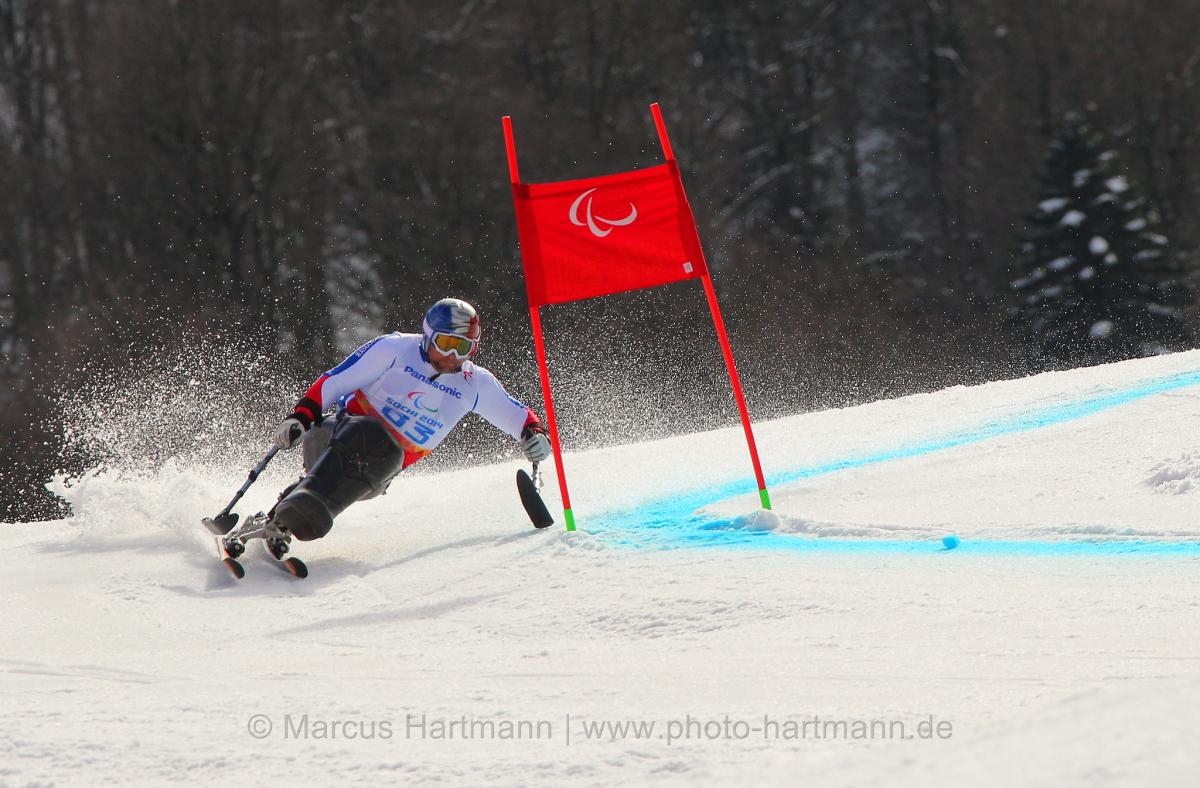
(603, 235)
(592, 221)
(597, 236)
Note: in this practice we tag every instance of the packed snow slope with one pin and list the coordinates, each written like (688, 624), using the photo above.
(680, 637)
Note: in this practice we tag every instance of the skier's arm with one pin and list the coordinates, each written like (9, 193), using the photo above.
(360, 368)
(507, 413)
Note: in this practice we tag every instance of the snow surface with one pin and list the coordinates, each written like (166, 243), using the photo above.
(1059, 643)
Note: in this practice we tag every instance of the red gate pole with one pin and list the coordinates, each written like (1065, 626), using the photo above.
(539, 346)
(719, 323)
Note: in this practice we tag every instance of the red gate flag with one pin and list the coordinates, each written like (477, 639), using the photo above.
(598, 236)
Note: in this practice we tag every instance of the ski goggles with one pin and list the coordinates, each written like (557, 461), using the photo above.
(454, 344)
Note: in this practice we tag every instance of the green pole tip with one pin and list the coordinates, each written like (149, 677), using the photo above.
(570, 517)
(765, 498)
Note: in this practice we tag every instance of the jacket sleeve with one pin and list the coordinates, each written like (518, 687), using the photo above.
(506, 412)
(362, 367)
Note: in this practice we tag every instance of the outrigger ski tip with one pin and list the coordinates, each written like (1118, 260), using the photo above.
(221, 524)
(535, 507)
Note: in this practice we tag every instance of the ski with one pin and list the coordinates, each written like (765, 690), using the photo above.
(231, 544)
(230, 561)
(275, 548)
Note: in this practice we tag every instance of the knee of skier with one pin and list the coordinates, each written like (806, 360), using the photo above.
(304, 515)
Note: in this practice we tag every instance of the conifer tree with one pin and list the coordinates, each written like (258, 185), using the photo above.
(1099, 282)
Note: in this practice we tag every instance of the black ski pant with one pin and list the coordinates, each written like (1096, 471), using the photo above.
(359, 462)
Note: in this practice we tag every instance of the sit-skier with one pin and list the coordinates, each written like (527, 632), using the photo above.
(397, 397)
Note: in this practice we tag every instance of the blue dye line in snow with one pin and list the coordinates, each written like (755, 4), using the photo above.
(769, 540)
(675, 522)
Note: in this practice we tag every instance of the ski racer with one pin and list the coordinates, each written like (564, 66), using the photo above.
(397, 397)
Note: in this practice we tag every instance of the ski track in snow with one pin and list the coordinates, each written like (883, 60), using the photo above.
(681, 519)
(1060, 639)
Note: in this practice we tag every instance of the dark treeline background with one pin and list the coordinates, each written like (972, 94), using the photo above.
(301, 174)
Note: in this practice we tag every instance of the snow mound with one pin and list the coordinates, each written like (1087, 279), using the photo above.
(1175, 476)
